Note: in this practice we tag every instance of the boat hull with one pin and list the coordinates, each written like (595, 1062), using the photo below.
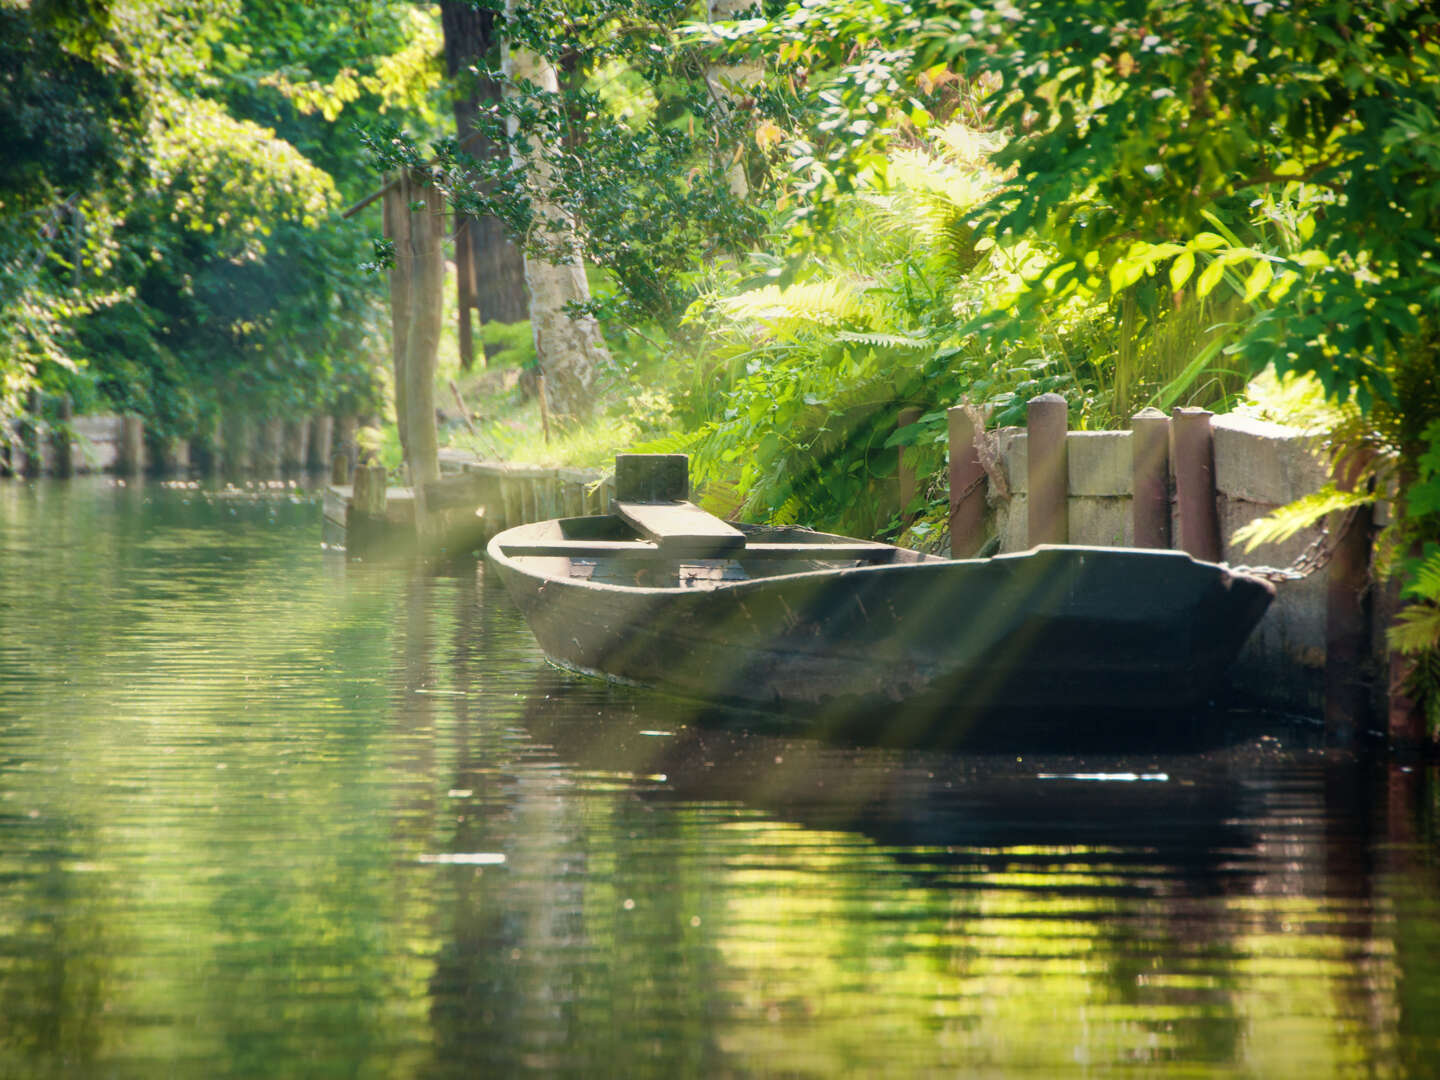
(1054, 628)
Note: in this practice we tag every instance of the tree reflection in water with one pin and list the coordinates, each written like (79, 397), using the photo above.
(268, 814)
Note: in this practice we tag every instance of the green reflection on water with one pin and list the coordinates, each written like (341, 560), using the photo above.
(266, 814)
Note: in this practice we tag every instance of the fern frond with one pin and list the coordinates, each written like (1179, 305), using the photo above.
(885, 341)
(682, 442)
(1417, 630)
(1426, 585)
(1284, 522)
(819, 303)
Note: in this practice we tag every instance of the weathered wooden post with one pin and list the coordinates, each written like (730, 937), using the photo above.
(211, 446)
(32, 434)
(271, 450)
(131, 458)
(345, 440)
(1405, 721)
(340, 469)
(322, 431)
(62, 438)
(906, 473)
(648, 478)
(365, 517)
(174, 455)
(968, 487)
(1347, 612)
(1047, 423)
(1150, 458)
(296, 449)
(1194, 453)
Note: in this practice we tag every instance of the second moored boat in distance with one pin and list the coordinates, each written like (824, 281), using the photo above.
(662, 594)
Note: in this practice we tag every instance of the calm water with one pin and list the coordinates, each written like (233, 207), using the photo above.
(263, 814)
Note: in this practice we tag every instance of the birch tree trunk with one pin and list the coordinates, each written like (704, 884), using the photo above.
(571, 350)
(722, 80)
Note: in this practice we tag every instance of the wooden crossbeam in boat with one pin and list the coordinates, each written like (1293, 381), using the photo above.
(609, 549)
(682, 529)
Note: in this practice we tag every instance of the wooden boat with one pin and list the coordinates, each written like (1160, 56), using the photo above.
(783, 618)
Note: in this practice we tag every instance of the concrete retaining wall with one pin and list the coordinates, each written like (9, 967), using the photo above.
(1259, 466)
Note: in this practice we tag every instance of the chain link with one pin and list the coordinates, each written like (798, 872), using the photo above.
(1315, 557)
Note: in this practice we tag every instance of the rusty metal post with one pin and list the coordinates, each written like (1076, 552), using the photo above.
(1194, 453)
(1150, 464)
(1347, 613)
(968, 487)
(906, 473)
(1047, 424)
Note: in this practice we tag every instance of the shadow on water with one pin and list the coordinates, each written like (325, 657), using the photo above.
(1032, 787)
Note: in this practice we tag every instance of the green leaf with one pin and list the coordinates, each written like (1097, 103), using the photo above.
(1209, 278)
(1258, 281)
(1180, 271)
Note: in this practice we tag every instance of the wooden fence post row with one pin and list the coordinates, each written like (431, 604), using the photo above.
(1182, 446)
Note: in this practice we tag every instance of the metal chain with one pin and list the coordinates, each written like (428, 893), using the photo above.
(1315, 557)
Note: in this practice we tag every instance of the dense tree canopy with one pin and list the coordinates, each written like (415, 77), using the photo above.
(168, 193)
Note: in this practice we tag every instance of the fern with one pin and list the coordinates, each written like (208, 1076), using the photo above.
(1426, 583)
(1281, 524)
(1416, 630)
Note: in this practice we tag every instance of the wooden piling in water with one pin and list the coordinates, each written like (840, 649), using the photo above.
(63, 439)
(968, 486)
(1194, 454)
(1347, 614)
(322, 432)
(1047, 424)
(295, 449)
(345, 438)
(1150, 457)
(32, 435)
(131, 459)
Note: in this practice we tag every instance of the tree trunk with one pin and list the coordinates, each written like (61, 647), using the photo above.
(571, 350)
(417, 281)
(490, 271)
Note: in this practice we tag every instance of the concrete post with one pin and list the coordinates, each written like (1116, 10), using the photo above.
(1194, 453)
(1047, 423)
(968, 487)
(1150, 450)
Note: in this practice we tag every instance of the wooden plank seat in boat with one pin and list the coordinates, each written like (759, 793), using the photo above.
(681, 529)
(632, 549)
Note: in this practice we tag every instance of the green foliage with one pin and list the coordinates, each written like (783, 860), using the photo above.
(167, 211)
(651, 169)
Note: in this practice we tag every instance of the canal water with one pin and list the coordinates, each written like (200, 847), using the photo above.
(266, 814)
